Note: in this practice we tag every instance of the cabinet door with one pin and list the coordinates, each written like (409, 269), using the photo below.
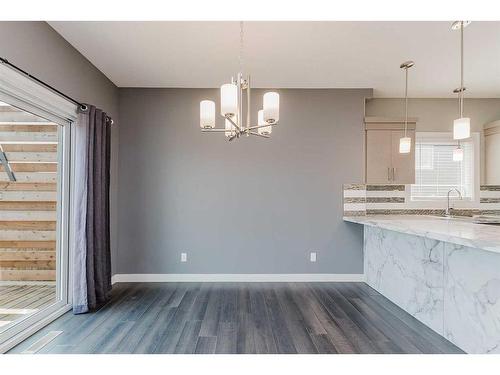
(403, 164)
(378, 156)
(492, 158)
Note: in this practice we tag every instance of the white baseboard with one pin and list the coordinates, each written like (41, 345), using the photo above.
(237, 277)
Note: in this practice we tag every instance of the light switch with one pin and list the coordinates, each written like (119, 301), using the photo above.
(313, 257)
(184, 257)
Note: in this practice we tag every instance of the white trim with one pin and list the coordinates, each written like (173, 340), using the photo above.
(236, 277)
(19, 90)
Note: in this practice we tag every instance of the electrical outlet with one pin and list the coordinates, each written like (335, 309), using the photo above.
(313, 256)
(184, 257)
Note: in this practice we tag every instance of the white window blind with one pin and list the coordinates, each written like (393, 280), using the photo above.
(436, 172)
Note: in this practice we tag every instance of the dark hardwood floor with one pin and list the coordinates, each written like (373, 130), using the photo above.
(243, 318)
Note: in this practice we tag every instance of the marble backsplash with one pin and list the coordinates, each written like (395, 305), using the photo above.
(364, 199)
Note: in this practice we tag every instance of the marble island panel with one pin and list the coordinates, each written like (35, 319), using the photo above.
(451, 287)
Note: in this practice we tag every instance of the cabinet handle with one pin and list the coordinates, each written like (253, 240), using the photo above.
(393, 174)
(388, 174)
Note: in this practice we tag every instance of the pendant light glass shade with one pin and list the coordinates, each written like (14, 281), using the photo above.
(266, 130)
(404, 145)
(271, 107)
(229, 128)
(461, 128)
(228, 99)
(458, 154)
(207, 114)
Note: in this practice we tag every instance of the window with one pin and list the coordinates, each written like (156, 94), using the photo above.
(436, 172)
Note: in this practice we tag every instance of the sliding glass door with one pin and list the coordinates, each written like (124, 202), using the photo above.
(34, 219)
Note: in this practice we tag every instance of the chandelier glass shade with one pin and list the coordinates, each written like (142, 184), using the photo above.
(271, 106)
(228, 100)
(207, 114)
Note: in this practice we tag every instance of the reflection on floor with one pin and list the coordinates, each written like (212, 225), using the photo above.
(19, 300)
(243, 318)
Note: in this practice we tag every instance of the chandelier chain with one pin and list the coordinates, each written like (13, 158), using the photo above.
(241, 47)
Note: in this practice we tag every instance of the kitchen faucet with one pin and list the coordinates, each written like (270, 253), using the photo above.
(448, 209)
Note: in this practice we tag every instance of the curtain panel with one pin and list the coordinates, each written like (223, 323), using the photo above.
(91, 245)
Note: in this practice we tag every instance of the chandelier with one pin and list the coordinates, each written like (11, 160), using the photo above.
(231, 108)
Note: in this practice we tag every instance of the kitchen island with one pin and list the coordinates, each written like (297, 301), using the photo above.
(444, 272)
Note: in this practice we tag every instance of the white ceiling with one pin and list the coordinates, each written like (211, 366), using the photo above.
(293, 54)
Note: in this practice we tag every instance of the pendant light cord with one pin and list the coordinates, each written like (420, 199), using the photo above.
(461, 93)
(406, 100)
(461, 69)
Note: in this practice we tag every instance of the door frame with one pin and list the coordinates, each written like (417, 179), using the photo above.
(20, 91)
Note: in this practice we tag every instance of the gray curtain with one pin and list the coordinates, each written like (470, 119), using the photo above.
(92, 268)
(98, 245)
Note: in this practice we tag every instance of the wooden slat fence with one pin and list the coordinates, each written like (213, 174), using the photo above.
(28, 206)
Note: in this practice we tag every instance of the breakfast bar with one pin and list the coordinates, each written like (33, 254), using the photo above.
(443, 271)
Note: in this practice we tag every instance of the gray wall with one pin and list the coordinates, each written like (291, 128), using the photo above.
(437, 115)
(38, 49)
(250, 206)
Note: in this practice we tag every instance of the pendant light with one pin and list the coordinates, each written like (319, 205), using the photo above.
(461, 126)
(405, 142)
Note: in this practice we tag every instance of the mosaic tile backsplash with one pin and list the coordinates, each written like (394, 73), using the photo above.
(362, 199)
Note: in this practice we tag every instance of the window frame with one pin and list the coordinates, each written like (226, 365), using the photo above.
(473, 202)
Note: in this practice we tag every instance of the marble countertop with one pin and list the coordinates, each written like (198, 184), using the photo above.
(458, 231)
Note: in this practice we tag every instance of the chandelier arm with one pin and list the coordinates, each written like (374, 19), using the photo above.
(259, 135)
(213, 130)
(232, 122)
(261, 126)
